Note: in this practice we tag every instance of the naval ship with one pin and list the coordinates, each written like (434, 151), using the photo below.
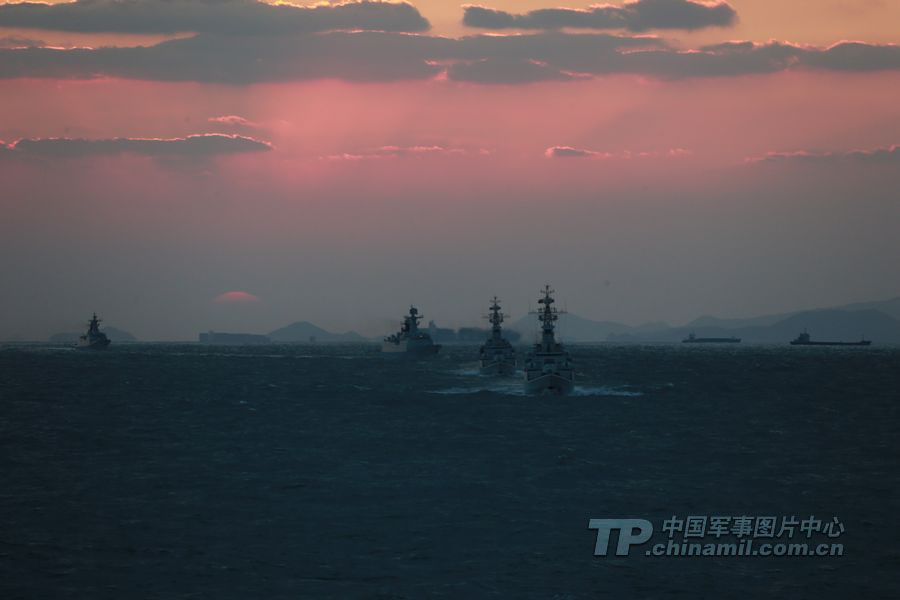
(410, 340)
(804, 340)
(94, 339)
(547, 368)
(496, 354)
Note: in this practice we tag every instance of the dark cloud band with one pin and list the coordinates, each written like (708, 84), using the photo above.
(889, 155)
(359, 56)
(641, 15)
(382, 56)
(211, 16)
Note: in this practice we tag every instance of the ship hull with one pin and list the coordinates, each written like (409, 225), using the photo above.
(501, 368)
(98, 345)
(407, 349)
(549, 384)
(862, 343)
(712, 341)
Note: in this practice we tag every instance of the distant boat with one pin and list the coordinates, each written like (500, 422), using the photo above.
(548, 369)
(804, 340)
(497, 355)
(94, 339)
(693, 339)
(410, 340)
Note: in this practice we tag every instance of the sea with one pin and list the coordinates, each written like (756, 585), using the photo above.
(163, 471)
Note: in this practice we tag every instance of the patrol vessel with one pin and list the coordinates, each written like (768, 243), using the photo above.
(548, 369)
(497, 355)
(94, 339)
(410, 340)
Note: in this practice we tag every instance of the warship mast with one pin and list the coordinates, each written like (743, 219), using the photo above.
(547, 315)
(495, 319)
(497, 355)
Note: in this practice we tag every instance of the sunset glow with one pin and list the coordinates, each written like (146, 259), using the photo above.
(526, 299)
(323, 155)
(235, 297)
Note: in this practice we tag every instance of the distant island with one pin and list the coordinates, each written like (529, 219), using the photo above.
(300, 332)
(304, 331)
(878, 321)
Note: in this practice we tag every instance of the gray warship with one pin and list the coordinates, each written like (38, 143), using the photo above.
(548, 369)
(94, 339)
(497, 355)
(410, 340)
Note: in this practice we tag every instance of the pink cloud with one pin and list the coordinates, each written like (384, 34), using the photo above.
(401, 151)
(570, 152)
(232, 120)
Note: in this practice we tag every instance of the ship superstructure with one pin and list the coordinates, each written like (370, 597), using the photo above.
(410, 339)
(548, 368)
(497, 355)
(94, 339)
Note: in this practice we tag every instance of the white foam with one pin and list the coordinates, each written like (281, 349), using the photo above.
(507, 390)
(468, 372)
(603, 391)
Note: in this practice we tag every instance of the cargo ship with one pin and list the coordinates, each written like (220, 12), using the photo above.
(804, 340)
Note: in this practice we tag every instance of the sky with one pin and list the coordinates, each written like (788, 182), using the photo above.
(185, 165)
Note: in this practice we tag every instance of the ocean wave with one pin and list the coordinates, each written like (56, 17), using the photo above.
(517, 389)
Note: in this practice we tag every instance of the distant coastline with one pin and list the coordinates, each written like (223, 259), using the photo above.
(878, 321)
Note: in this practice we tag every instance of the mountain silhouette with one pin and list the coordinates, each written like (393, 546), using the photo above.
(878, 321)
(574, 328)
(822, 325)
(304, 331)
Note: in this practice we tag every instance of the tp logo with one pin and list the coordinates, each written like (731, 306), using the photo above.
(631, 532)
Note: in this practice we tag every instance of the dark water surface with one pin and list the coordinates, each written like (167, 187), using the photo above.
(182, 471)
